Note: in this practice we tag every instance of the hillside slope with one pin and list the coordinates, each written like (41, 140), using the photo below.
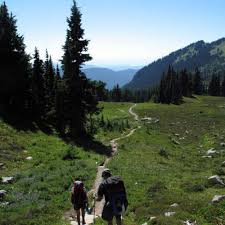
(209, 57)
(43, 167)
(166, 163)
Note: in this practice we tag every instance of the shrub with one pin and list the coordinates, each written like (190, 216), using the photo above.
(163, 152)
(69, 154)
(157, 187)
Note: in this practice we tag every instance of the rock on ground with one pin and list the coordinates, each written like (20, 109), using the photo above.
(7, 180)
(175, 141)
(189, 222)
(168, 214)
(29, 158)
(152, 218)
(174, 205)
(218, 198)
(211, 151)
(216, 180)
(4, 204)
(2, 193)
(207, 156)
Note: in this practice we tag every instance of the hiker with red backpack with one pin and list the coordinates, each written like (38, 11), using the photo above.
(113, 189)
(79, 200)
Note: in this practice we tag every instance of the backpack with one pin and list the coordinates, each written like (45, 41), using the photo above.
(79, 195)
(117, 195)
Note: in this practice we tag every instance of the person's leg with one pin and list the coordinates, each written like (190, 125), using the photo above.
(78, 216)
(110, 222)
(118, 220)
(83, 215)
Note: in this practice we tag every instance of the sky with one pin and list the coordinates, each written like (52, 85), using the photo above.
(121, 32)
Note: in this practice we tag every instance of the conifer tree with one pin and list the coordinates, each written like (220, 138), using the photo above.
(184, 82)
(37, 87)
(127, 95)
(197, 83)
(78, 104)
(214, 85)
(177, 92)
(14, 64)
(100, 90)
(170, 88)
(116, 93)
(223, 87)
(162, 88)
(49, 85)
(58, 76)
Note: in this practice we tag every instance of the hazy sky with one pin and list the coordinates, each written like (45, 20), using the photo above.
(124, 32)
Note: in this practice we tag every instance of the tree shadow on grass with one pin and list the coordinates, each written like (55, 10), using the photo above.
(89, 144)
(22, 123)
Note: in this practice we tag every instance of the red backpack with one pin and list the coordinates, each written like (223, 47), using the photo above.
(79, 195)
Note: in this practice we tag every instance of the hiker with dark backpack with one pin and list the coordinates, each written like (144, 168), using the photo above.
(113, 189)
(79, 200)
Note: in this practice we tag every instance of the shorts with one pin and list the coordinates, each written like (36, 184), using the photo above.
(107, 213)
(79, 206)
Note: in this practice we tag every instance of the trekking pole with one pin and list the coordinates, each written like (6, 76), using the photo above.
(94, 209)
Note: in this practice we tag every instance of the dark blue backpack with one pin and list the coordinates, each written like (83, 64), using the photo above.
(117, 195)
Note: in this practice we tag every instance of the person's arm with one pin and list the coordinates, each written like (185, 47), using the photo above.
(100, 192)
(126, 201)
(85, 195)
(72, 196)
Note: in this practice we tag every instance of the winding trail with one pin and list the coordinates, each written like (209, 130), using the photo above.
(89, 218)
(133, 113)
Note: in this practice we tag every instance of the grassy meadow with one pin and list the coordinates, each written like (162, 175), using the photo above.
(162, 162)
(41, 189)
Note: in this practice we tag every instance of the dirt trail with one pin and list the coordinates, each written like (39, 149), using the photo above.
(70, 215)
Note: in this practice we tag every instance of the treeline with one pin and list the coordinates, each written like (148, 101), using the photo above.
(118, 94)
(36, 91)
(176, 84)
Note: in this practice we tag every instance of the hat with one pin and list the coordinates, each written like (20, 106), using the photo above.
(106, 173)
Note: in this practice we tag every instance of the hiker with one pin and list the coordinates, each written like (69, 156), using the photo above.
(79, 199)
(113, 189)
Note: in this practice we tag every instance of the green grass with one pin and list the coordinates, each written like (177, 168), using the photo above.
(114, 112)
(40, 193)
(158, 172)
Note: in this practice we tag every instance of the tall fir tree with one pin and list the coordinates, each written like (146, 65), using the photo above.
(14, 64)
(162, 88)
(127, 95)
(177, 90)
(185, 83)
(170, 88)
(116, 93)
(214, 86)
(78, 105)
(49, 84)
(223, 87)
(37, 87)
(197, 83)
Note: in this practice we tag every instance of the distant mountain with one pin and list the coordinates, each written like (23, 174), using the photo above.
(110, 77)
(208, 57)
